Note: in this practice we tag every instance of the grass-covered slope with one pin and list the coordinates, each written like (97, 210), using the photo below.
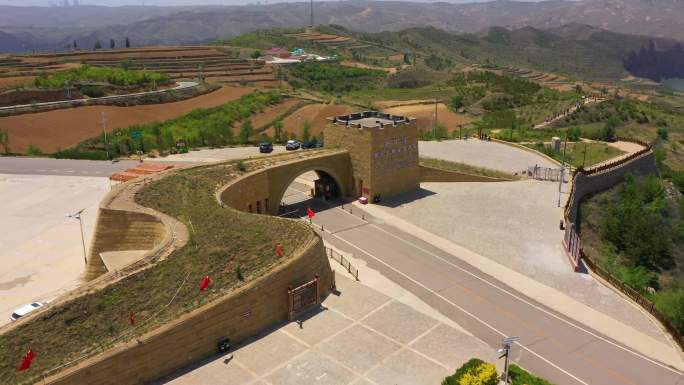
(221, 239)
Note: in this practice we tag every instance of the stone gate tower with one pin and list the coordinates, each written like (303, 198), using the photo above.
(383, 149)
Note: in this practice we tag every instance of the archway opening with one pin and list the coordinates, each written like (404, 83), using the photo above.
(316, 189)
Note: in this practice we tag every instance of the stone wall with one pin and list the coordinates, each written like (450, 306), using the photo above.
(248, 310)
(430, 174)
(589, 183)
(261, 191)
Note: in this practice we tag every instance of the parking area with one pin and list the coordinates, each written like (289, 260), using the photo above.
(41, 252)
(358, 336)
(218, 154)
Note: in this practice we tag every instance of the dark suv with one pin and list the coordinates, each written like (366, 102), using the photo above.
(266, 147)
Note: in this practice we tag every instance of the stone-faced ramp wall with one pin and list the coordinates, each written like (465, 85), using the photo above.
(119, 230)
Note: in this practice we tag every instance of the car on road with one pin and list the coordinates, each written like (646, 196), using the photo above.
(26, 309)
(292, 145)
(312, 144)
(265, 147)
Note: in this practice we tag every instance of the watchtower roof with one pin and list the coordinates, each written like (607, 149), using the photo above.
(370, 119)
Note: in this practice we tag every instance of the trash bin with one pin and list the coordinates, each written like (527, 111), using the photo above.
(224, 345)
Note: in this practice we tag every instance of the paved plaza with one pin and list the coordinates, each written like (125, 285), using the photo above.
(480, 153)
(41, 252)
(358, 336)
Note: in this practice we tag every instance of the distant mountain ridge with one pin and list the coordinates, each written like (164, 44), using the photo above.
(46, 28)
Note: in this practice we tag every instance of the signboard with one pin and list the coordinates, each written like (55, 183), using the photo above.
(303, 297)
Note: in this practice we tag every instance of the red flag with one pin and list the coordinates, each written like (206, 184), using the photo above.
(310, 212)
(132, 319)
(26, 361)
(205, 283)
(279, 250)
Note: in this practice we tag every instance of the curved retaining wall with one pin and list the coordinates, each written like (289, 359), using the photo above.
(192, 337)
(595, 180)
(239, 315)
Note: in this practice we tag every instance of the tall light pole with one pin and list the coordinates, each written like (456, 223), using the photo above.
(505, 351)
(104, 132)
(77, 215)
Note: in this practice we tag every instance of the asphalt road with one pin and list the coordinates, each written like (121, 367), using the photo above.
(551, 345)
(179, 86)
(70, 167)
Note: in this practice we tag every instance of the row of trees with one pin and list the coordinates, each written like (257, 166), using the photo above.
(98, 45)
(113, 76)
(333, 78)
(202, 127)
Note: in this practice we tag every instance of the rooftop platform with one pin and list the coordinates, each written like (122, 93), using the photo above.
(370, 119)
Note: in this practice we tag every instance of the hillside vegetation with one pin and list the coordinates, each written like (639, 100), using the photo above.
(107, 75)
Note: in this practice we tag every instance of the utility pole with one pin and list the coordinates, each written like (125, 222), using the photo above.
(104, 132)
(77, 215)
(562, 170)
(505, 351)
(311, 20)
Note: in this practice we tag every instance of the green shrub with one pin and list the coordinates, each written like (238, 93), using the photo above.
(76, 153)
(662, 133)
(474, 372)
(671, 304)
(519, 376)
(32, 150)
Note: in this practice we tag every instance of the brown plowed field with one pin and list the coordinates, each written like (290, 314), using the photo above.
(424, 115)
(167, 52)
(271, 113)
(10, 83)
(315, 114)
(65, 128)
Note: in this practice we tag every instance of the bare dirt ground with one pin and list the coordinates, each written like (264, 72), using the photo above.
(169, 52)
(52, 130)
(425, 115)
(315, 114)
(271, 113)
(10, 83)
(347, 63)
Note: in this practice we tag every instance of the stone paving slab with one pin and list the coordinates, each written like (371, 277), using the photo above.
(399, 322)
(264, 354)
(334, 345)
(318, 327)
(408, 368)
(311, 368)
(351, 347)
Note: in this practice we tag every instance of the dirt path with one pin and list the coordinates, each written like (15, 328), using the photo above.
(52, 130)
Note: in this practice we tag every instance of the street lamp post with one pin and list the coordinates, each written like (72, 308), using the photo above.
(504, 351)
(77, 215)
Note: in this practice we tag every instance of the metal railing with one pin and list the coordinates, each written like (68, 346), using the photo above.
(343, 261)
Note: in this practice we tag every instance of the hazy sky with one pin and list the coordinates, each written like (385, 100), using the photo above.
(170, 2)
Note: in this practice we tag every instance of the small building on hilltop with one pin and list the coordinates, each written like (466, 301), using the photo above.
(383, 149)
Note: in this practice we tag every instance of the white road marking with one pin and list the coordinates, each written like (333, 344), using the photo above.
(463, 310)
(531, 304)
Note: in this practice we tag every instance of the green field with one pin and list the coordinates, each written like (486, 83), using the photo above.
(579, 154)
(107, 75)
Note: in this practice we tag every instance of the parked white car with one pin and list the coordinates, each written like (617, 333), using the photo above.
(26, 309)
